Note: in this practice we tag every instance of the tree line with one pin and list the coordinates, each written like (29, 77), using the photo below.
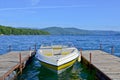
(6, 30)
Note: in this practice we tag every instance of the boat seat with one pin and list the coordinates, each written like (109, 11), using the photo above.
(65, 53)
(56, 48)
(48, 54)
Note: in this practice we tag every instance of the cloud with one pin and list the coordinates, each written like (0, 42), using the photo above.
(45, 7)
(35, 2)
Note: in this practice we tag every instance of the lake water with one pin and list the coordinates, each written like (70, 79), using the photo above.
(36, 72)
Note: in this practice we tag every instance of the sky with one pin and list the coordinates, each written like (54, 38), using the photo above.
(82, 14)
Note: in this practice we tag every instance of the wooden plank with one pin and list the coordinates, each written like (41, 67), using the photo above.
(106, 63)
(10, 61)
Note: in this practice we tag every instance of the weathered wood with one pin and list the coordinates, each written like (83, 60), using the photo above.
(106, 65)
(11, 61)
(100, 46)
(112, 50)
(10, 48)
(90, 58)
(20, 58)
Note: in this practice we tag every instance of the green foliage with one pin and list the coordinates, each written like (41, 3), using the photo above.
(21, 31)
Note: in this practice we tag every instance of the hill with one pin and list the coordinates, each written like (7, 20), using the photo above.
(75, 31)
(20, 31)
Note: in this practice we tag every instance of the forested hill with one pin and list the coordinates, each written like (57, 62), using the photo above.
(75, 31)
(5, 30)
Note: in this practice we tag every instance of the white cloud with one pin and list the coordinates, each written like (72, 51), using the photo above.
(35, 2)
(45, 7)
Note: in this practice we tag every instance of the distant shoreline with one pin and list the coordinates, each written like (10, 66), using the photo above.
(6, 30)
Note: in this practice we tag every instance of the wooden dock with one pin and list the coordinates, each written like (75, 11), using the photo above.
(107, 66)
(12, 63)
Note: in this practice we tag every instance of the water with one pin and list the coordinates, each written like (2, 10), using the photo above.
(84, 42)
(77, 72)
(35, 71)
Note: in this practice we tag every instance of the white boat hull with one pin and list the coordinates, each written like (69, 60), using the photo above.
(56, 63)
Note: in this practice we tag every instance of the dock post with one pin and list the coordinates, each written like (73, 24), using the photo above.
(35, 48)
(30, 51)
(100, 46)
(112, 50)
(10, 48)
(90, 62)
(90, 58)
(20, 63)
(29, 48)
(81, 55)
(81, 51)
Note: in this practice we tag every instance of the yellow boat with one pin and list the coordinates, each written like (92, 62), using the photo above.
(57, 57)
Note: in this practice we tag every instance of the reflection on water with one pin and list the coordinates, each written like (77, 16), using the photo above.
(35, 71)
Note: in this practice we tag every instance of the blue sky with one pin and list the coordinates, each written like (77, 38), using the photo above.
(82, 14)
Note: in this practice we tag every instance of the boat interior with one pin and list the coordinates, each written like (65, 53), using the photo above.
(56, 51)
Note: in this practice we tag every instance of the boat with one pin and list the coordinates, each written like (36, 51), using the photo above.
(57, 57)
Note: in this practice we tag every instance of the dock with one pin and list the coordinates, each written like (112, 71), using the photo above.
(12, 63)
(107, 66)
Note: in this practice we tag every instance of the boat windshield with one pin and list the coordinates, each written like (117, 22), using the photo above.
(57, 45)
(55, 49)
